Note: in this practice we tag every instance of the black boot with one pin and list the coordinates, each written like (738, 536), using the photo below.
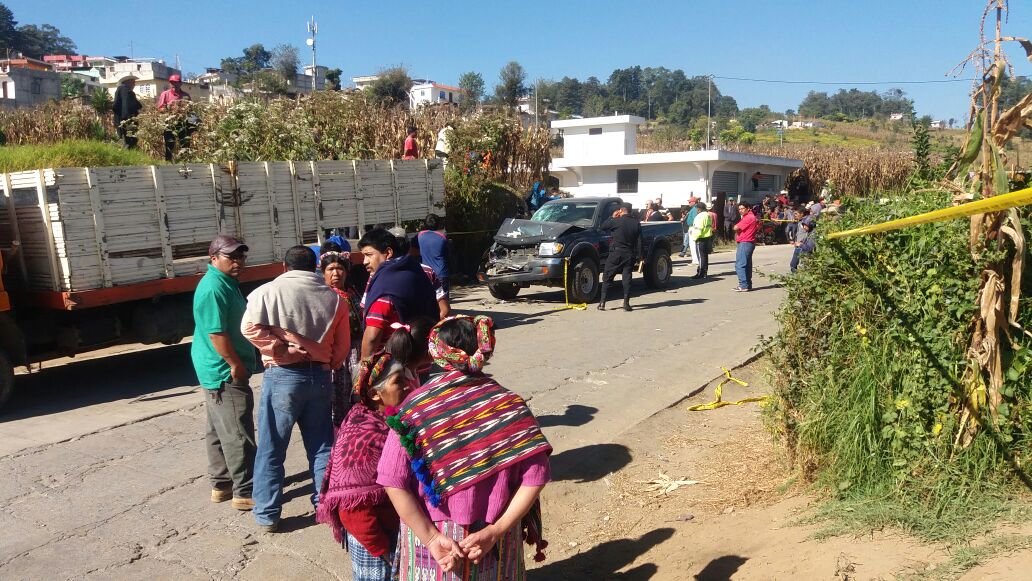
(626, 304)
(602, 299)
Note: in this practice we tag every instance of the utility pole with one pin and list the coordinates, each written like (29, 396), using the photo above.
(313, 29)
(709, 108)
(537, 86)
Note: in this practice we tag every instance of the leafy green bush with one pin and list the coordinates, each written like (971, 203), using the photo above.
(69, 154)
(868, 365)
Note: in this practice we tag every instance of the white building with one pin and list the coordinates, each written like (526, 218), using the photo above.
(431, 93)
(364, 81)
(600, 159)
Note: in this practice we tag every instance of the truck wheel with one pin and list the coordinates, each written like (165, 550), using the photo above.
(582, 284)
(505, 291)
(6, 379)
(659, 269)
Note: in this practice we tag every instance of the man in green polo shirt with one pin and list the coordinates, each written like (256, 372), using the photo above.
(224, 361)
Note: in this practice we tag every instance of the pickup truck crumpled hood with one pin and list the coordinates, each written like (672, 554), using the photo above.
(516, 233)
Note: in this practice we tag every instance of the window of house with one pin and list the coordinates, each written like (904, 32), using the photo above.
(595, 131)
(627, 181)
(37, 86)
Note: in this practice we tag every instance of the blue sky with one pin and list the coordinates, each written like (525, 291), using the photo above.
(831, 41)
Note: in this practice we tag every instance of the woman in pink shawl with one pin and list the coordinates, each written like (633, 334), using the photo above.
(351, 502)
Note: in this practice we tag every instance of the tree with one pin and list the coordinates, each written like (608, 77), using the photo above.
(36, 41)
(472, 85)
(255, 58)
(391, 88)
(952, 122)
(815, 105)
(333, 79)
(8, 29)
(511, 86)
(286, 62)
(71, 86)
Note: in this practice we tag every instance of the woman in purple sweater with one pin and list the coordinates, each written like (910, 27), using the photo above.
(464, 465)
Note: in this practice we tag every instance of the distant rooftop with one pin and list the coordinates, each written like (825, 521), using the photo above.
(598, 121)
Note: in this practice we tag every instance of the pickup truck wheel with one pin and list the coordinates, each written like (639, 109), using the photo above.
(582, 284)
(504, 291)
(6, 379)
(659, 269)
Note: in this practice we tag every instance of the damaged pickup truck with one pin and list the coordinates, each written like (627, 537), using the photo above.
(563, 243)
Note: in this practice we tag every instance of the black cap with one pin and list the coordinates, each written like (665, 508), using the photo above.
(225, 244)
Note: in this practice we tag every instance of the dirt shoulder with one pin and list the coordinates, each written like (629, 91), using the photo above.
(704, 495)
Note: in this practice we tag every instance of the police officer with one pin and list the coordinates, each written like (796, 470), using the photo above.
(623, 251)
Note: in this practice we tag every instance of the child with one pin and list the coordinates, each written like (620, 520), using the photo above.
(464, 465)
(351, 501)
(804, 242)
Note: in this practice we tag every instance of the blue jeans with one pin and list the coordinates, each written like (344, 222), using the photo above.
(290, 396)
(796, 253)
(685, 244)
(743, 264)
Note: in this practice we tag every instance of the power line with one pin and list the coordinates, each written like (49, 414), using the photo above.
(936, 81)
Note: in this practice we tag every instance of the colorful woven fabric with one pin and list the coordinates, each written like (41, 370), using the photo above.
(458, 429)
(366, 567)
(503, 563)
(454, 359)
(370, 371)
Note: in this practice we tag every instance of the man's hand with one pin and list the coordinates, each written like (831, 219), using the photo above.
(239, 372)
(446, 552)
(480, 543)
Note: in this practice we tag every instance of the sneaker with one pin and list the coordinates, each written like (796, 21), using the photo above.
(242, 503)
(274, 527)
(221, 494)
(739, 289)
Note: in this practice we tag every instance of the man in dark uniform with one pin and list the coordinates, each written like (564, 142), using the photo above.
(623, 251)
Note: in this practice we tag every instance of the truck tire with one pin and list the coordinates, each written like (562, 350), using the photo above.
(659, 269)
(505, 291)
(582, 285)
(6, 379)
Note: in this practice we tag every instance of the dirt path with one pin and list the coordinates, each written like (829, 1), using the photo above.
(743, 519)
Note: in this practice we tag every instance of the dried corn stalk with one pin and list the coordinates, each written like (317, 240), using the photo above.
(981, 169)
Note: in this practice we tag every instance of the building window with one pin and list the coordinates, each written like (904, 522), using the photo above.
(37, 86)
(595, 131)
(627, 181)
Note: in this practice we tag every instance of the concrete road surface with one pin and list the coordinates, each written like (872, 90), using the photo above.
(104, 466)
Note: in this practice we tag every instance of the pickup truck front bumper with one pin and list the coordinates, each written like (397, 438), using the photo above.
(532, 271)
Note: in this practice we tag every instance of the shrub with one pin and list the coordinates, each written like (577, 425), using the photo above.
(869, 361)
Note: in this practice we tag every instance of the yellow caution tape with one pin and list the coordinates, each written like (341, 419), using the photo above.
(718, 403)
(566, 292)
(993, 204)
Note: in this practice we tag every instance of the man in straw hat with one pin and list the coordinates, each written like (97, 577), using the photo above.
(126, 107)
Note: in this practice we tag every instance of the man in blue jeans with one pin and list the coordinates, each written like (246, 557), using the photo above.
(745, 236)
(300, 327)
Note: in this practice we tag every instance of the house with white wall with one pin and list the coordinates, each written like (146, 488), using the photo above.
(431, 93)
(600, 158)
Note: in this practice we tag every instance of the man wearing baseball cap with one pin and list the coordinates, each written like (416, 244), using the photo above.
(224, 361)
(178, 131)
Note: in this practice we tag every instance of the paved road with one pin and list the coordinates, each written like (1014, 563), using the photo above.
(104, 463)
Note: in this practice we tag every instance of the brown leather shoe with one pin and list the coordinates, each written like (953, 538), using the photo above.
(242, 503)
(221, 495)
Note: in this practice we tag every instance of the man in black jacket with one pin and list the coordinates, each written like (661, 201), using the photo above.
(126, 107)
(624, 248)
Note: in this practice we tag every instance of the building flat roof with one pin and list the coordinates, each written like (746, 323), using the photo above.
(677, 157)
(597, 121)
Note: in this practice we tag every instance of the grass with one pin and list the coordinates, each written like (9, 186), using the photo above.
(968, 557)
(821, 137)
(70, 154)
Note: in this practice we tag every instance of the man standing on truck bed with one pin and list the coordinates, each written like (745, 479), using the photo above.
(623, 248)
(301, 327)
(224, 361)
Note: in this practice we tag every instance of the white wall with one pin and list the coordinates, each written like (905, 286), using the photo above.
(674, 182)
(578, 143)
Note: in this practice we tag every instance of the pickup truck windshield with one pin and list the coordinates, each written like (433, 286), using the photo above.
(567, 212)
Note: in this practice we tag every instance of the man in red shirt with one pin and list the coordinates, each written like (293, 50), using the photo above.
(176, 131)
(411, 147)
(745, 236)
